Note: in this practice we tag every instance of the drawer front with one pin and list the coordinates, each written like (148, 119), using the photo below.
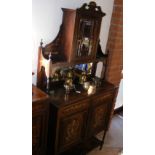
(77, 107)
(40, 106)
(102, 99)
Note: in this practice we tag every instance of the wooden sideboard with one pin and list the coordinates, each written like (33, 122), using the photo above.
(75, 119)
(40, 111)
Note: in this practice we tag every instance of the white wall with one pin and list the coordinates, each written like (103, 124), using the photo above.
(119, 100)
(47, 17)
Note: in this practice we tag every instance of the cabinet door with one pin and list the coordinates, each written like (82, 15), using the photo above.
(99, 115)
(86, 38)
(72, 130)
(38, 134)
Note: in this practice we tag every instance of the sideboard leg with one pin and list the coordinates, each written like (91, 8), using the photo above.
(102, 142)
(84, 153)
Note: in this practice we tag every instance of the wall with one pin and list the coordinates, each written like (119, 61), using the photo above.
(115, 47)
(115, 44)
(119, 99)
(47, 17)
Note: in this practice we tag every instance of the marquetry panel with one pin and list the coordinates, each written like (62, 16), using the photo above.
(71, 129)
(99, 114)
(36, 131)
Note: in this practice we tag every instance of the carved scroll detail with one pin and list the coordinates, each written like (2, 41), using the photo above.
(92, 8)
(54, 48)
(72, 131)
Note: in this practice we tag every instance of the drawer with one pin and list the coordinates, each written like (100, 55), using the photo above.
(73, 108)
(39, 106)
(102, 99)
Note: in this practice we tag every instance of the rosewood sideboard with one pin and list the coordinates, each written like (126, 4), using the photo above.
(75, 119)
(40, 111)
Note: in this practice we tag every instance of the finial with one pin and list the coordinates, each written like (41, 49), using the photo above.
(92, 3)
(50, 56)
(41, 42)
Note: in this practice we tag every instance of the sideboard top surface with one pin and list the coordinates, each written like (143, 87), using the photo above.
(59, 97)
(38, 95)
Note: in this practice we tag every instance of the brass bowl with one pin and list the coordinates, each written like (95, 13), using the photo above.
(86, 85)
(91, 90)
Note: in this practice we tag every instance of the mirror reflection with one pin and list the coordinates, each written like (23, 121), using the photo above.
(85, 38)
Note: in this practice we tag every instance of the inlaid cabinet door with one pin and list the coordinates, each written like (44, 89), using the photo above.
(99, 115)
(72, 129)
(86, 40)
(86, 33)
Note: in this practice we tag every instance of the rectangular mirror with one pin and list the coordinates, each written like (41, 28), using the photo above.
(85, 37)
